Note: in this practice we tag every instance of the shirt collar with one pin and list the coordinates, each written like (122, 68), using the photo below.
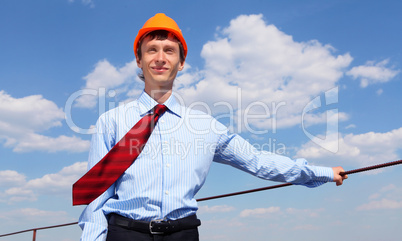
(147, 103)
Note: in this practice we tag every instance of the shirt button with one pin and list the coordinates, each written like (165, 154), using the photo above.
(162, 121)
(168, 165)
(167, 192)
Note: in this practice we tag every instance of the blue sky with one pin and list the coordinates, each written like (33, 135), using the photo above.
(332, 69)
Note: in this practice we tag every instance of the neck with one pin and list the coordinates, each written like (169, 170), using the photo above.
(159, 96)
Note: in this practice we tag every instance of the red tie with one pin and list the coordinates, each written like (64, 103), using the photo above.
(101, 176)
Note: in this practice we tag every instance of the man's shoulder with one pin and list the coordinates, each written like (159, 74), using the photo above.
(193, 112)
(203, 119)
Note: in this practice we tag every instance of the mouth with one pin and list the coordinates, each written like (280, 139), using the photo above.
(159, 69)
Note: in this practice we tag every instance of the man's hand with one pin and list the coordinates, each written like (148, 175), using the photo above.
(337, 177)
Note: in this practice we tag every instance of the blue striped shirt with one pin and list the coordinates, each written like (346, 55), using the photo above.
(174, 164)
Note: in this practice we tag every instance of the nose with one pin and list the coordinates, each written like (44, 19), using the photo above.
(160, 57)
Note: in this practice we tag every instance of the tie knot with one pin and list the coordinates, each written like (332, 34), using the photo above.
(160, 109)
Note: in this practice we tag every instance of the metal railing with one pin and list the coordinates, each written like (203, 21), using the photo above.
(34, 230)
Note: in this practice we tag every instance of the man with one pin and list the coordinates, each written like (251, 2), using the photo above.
(154, 198)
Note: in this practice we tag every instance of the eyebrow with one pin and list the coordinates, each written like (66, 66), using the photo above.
(170, 45)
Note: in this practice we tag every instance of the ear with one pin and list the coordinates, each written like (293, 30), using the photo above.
(181, 66)
(139, 64)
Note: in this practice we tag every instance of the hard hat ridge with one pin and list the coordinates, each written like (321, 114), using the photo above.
(160, 22)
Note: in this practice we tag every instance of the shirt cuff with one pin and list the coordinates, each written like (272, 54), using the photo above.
(321, 175)
(324, 174)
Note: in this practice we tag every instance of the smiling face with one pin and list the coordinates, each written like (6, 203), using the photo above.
(160, 62)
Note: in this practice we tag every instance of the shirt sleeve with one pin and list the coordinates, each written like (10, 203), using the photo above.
(235, 151)
(93, 221)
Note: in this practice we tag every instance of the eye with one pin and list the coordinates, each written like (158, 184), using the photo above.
(151, 50)
(169, 50)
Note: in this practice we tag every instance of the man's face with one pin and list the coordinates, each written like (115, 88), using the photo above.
(160, 62)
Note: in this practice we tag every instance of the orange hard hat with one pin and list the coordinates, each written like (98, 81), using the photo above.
(160, 22)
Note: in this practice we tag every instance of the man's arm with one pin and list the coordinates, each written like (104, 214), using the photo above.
(237, 152)
(92, 221)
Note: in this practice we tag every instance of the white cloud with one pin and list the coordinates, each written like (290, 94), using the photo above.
(259, 212)
(104, 78)
(388, 197)
(18, 194)
(313, 213)
(9, 177)
(372, 73)
(252, 61)
(379, 92)
(33, 212)
(381, 204)
(34, 142)
(362, 149)
(28, 113)
(19, 216)
(59, 183)
(215, 209)
(308, 227)
(294, 212)
(89, 3)
(22, 120)
(351, 126)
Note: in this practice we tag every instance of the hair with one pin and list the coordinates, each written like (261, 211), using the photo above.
(158, 35)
